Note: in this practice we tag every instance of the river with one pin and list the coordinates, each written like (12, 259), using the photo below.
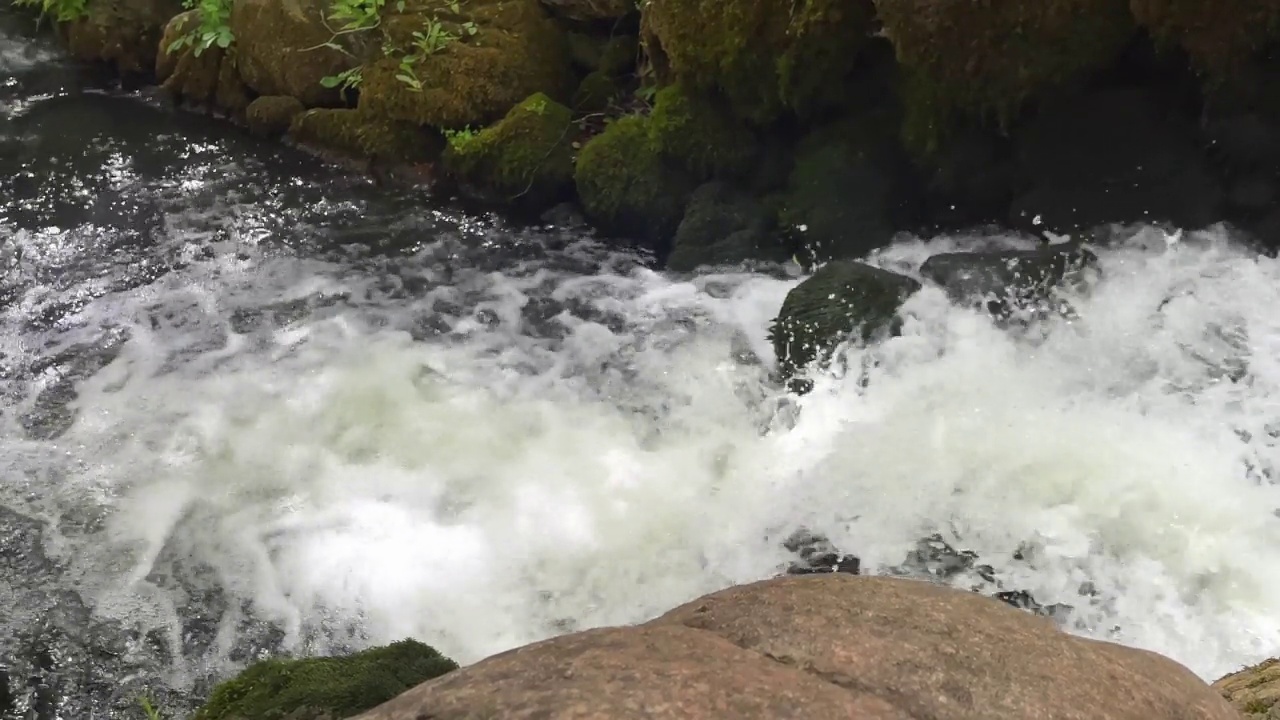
(255, 405)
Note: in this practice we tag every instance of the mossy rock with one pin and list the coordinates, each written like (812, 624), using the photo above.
(984, 59)
(625, 184)
(271, 115)
(279, 49)
(183, 73)
(1216, 35)
(842, 300)
(843, 192)
(123, 33)
(515, 51)
(596, 92)
(724, 226)
(704, 138)
(525, 159)
(619, 55)
(765, 56)
(1254, 690)
(357, 134)
(329, 688)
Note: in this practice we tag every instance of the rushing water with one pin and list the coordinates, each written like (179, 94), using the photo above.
(253, 405)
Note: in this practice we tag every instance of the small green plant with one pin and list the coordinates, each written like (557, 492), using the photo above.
(59, 10)
(434, 38)
(148, 709)
(458, 139)
(214, 28)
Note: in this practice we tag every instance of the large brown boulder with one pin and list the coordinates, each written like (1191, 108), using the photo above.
(822, 646)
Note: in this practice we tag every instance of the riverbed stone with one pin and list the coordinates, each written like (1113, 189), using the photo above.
(829, 645)
(842, 299)
(1008, 277)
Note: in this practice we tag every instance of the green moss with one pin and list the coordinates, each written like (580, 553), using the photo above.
(272, 114)
(765, 56)
(362, 135)
(515, 51)
(841, 300)
(722, 226)
(1216, 35)
(595, 93)
(526, 158)
(703, 138)
(333, 687)
(625, 184)
(984, 59)
(280, 48)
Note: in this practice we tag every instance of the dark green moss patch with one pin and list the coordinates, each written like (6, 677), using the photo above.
(365, 136)
(700, 136)
(332, 687)
(525, 159)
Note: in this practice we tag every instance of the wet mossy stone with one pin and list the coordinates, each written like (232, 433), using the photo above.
(182, 73)
(123, 33)
(524, 159)
(595, 93)
(272, 115)
(705, 139)
(360, 135)
(842, 300)
(724, 226)
(844, 191)
(984, 59)
(1008, 279)
(280, 49)
(626, 185)
(504, 51)
(765, 56)
(324, 688)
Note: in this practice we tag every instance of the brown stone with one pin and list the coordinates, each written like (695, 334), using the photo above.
(821, 646)
(1254, 691)
(654, 673)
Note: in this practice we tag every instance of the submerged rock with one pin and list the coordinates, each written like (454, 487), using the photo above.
(525, 159)
(1255, 690)
(1007, 278)
(324, 688)
(832, 645)
(841, 299)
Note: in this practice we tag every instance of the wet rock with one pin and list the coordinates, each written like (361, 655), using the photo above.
(842, 299)
(352, 133)
(123, 33)
(1254, 690)
(1009, 278)
(825, 646)
(819, 555)
(280, 49)
(271, 115)
(1113, 156)
(723, 226)
(207, 78)
(846, 191)
(324, 688)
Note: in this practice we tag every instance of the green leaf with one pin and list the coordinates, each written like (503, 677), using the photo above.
(330, 81)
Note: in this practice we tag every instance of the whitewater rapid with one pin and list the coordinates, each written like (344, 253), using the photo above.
(480, 457)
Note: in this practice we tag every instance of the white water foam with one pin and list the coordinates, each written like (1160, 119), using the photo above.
(487, 488)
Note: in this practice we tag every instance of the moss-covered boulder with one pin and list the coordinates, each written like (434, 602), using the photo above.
(1254, 690)
(1216, 35)
(626, 185)
(696, 133)
(123, 33)
(723, 226)
(280, 48)
(330, 688)
(841, 300)
(208, 78)
(984, 59)
(355, 134)
(846, 190)
(525, 159)
(271, 115)
(595, 93)
(764, 56)
(452, 70)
